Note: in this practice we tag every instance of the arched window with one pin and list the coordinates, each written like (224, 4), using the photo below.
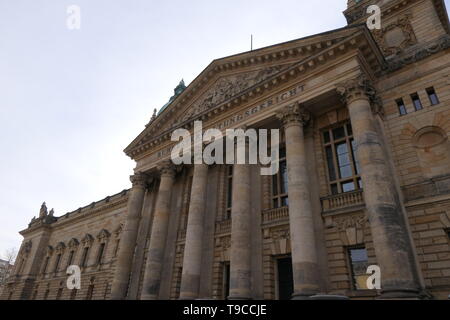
(117, 234)
(102, 238)
(48, 255)
(87, 243)
(60, 248)
(73, 247)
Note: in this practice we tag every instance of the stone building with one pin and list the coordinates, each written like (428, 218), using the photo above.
(364, 179)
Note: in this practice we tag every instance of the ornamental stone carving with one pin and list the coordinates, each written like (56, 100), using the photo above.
(281, 243)
(224, 245)
(49, 250)
(43, 211)
(60, 247)
(351, 229)
(394, 38)
(294, 114)
(27, 247)
(442, 43)
(167, 168)
(360, 88)
(103, 235)
(73, 243)
(139, 180)
(118, 230)
(87, 240)
(226, 88)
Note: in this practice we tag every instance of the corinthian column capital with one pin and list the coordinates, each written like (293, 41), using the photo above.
(139, 180)
(294, 114)
(357, 88)
(167, 169)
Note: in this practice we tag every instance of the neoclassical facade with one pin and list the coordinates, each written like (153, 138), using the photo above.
(364, 179)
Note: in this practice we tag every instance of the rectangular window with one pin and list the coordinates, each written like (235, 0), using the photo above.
(229, 192)
(100, 253)
(416, 101)
(340, 153)
(280, 183)
(359, 262)
(226, 280)
(434, 100)
(401, 107)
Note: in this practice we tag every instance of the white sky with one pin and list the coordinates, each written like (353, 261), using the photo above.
(71, 101)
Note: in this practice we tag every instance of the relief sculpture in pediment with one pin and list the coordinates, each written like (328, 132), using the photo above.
(226, 88)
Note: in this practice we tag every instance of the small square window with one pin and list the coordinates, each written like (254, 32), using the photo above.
(401, 107)
(434, 100)
(416, 101)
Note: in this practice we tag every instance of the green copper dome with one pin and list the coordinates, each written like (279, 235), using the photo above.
(177, 91)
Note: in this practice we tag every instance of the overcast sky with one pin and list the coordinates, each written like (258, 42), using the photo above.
(72, 100)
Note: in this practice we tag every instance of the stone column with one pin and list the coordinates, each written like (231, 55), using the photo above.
(192, 261)
(393, 247)
(158, 236)
(240, 259)
(128, 240)
(303, 240)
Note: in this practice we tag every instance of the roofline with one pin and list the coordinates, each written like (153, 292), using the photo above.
(348, 27)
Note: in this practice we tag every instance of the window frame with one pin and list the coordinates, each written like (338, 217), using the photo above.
(332, 143)
(229, 170)
(431, 91)
(277, 195)
(401, 106)
(416, 98)
(350, 264)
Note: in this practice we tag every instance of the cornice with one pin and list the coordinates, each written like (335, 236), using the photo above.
(103, 206)
(358, 13)
(437, 46)
(360, 39)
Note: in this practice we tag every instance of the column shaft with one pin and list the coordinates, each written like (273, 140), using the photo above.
(391, 240)
(155, 255)
(190, 280)
(240, 260)
(303, 241)
(128, 239)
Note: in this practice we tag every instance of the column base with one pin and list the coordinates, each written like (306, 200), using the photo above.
(187, 298)
(400, 294)
(149, 297)
(239, 298)
(303, 295)
(329, 297)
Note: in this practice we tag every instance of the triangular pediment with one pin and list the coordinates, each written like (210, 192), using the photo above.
(222, 89)
(226, 78)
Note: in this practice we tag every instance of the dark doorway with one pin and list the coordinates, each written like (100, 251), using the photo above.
(285, 279)
(226, 280)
